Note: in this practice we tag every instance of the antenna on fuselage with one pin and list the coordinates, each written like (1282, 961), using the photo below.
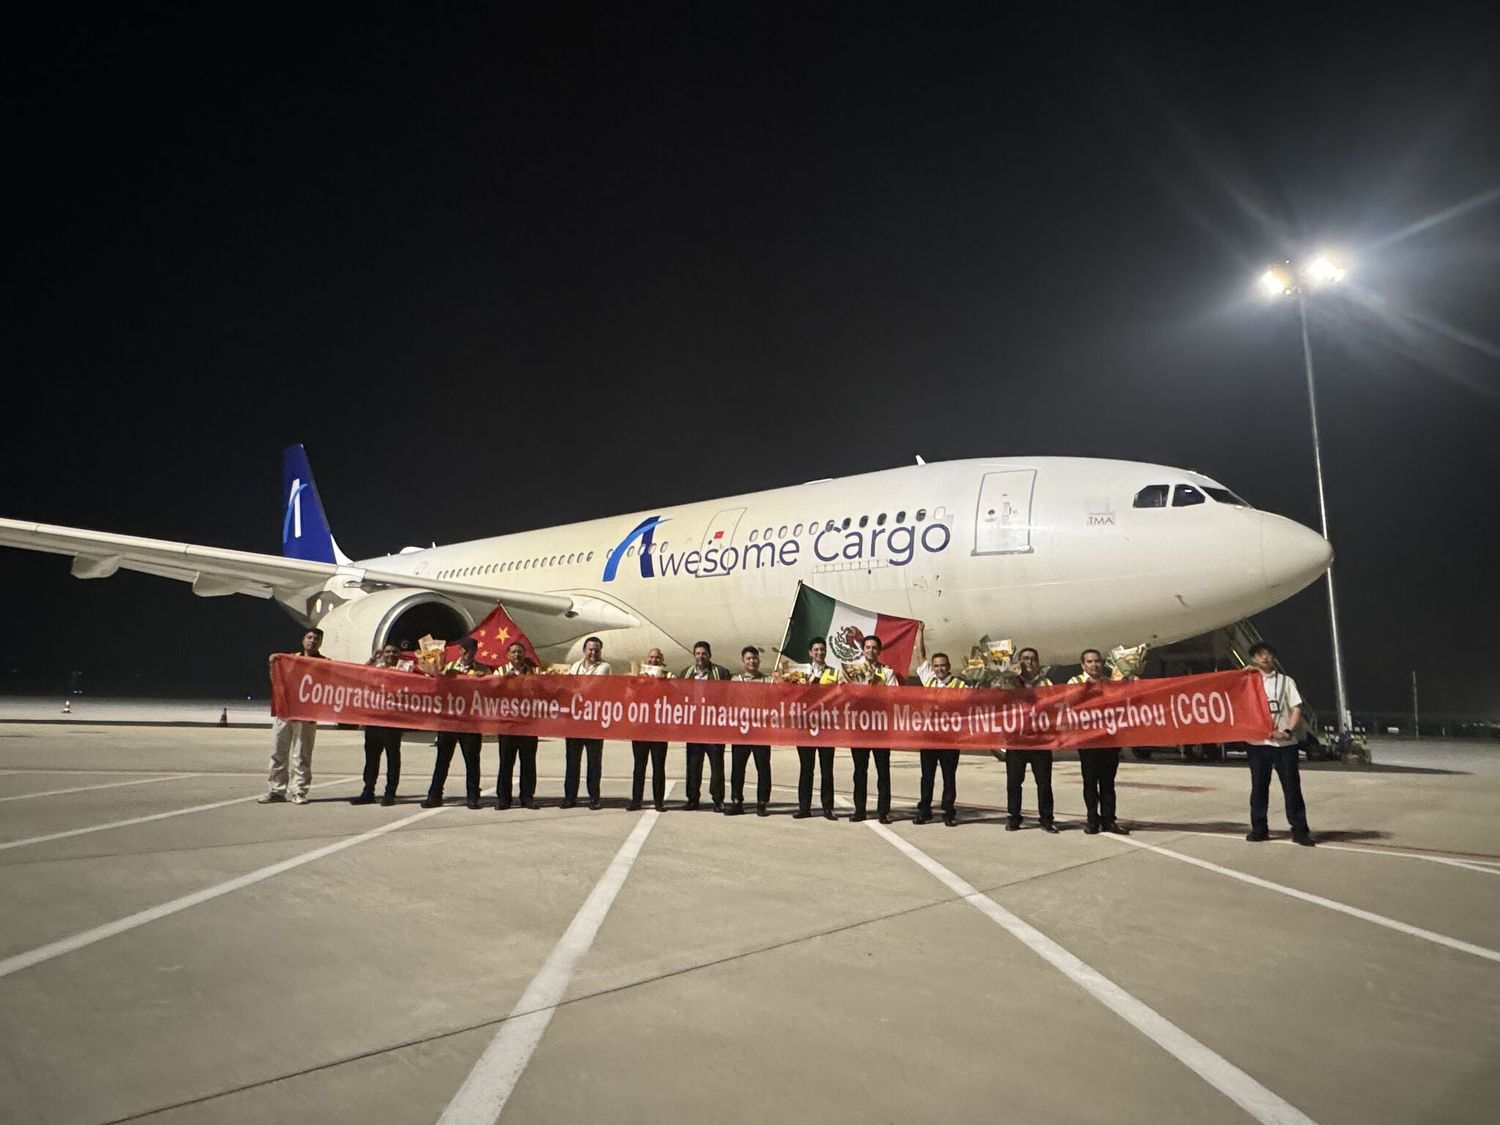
(919, 460)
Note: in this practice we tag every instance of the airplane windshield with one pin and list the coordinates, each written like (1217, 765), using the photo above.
(1224, 496)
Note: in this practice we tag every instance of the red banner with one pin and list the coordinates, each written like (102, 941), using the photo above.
(1215, 707)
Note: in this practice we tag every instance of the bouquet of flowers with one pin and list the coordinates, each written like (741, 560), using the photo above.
(430, 655)
(789, 673)
(1126, 663)
(990, 664)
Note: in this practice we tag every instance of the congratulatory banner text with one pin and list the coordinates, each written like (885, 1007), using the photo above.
(1215, 707)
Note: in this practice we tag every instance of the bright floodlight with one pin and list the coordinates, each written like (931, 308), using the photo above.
(1322, 270)
(1274, 283)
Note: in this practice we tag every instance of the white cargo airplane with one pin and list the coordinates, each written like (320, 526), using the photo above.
(1059, 552)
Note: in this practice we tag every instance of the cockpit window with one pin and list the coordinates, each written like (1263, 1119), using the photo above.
(1186, 496)
(1224, 496)
(1152, 496)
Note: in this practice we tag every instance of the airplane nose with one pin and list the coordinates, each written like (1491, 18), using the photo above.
(1291, 556)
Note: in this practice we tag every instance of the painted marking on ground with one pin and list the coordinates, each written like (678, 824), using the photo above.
(1466, 864)
(120, 925)
(1317, 900)
(1259, 1102)
(104, 785)
(147, 819)
(484, 1093)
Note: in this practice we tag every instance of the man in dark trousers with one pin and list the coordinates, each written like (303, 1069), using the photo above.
(871, 671)
(938, 673)
(1279, 754)
(513, 746)
(467, 741)
(655, 667)
(1029, 672)
(592, 664)
(385, 740)
(819, 673)
(750, 673)
(704, 668)
(1101, 763)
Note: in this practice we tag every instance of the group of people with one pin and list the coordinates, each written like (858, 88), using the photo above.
(291, 755)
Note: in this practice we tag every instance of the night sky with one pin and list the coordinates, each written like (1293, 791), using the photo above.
(533, 269)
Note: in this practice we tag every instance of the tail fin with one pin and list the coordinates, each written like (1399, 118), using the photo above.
(304, 527)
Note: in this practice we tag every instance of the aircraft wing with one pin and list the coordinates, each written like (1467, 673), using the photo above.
(216, 572)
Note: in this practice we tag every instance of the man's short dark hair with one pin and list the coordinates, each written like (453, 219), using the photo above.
(1263, 646)
(1029, 649)
(941, 656)
(749, 649)
(872, 637)
(817, 641)
(468, 644)
(315, 631)
(1084, 655)
(596, 640)
(704, 645)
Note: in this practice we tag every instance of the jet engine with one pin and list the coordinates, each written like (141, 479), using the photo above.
(353, 629)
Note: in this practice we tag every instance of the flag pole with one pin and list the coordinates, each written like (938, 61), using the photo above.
(787, 632)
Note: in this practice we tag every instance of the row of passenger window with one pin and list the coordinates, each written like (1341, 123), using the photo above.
(813, 526)
(518, 564)
(1184, 496)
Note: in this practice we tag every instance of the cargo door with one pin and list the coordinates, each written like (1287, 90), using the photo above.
(1002, 521)
(720, 533)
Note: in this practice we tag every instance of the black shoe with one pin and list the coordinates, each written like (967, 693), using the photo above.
(1257, 835)
(1304, 838)
(828, 814)
(388, 799)
(885, 818)
(432, 802)
(860, 815)
(690, 806)
(718, 806)
(634, 806)
(568, 804)
(530, 805)
(921, 818)
(1048, 826)
(472, 802)
(365, 798)
(950, 820)
(595, 803)
(659, 806)
(1013, 826)
(802, 814)
(501, 806)
(761, 810)
(1116, 829)
(736, 809)
(1091, 830)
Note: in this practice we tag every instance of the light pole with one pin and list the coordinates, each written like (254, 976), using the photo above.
(1288, 280)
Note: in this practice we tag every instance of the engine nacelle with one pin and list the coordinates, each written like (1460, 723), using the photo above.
(353, 629)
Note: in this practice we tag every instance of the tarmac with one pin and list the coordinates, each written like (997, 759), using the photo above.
(172, 951)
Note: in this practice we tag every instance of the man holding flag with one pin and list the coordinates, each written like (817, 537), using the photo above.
(818, 672)
(513, 746)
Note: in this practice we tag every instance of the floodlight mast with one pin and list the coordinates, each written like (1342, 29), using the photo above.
(1289, 282)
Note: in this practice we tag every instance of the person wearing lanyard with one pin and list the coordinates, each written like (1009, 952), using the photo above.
(704, 668)
(740, 755)
(1100, 763)
(590, 665)
(937, 673)
(871, 671)
(819, 673)
(513, 746)
(1040, 761)
(1279, 753)
(467, 741)
(656, 668)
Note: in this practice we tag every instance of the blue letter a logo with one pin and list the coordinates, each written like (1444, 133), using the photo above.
(643, 531)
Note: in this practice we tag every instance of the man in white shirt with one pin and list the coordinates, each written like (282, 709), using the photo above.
(654, 751)
(819, 673)
(937, 673)
(292, 740)
(1279, 753)
(871, 671)
(592, 664)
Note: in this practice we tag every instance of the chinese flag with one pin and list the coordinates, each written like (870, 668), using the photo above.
(495, 634)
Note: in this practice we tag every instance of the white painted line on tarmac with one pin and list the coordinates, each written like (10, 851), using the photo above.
(105, 785)
(484, 1093)
(1466, 864)
(154, 816)
(1259, 1102)
(1318, 900)
(121, 925)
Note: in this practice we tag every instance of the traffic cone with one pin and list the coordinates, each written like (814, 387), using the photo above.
(67, 706)
(224, 717)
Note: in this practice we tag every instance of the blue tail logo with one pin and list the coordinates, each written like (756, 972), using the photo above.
(304, 528)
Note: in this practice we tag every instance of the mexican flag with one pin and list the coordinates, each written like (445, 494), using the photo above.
(845, 627)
